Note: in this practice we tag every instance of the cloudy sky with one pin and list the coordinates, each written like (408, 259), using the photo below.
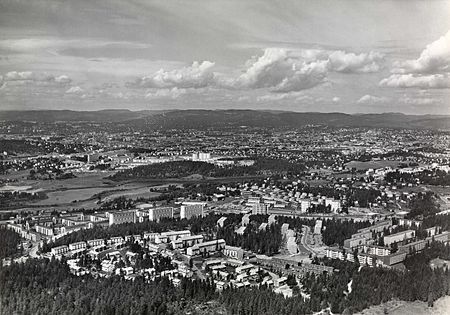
(351, 56)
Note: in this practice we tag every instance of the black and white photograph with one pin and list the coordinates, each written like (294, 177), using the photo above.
(225, 157)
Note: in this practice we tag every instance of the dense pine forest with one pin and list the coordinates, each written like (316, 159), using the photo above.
(9, 242)
(47, 287)
(178, 169)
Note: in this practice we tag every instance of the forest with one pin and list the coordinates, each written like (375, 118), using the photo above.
(178, 169)
(47, 287)
(9, 242)
(266, 242)
(335, 231)
(434, 177)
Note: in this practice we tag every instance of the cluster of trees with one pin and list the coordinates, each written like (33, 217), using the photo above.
(422, 205)
(352, 195)
(336, 231)
(9, 243)
(193, 191)
(373, 286)
(177, 169)
(11, 198)
(429, 177)
(266, 241)
(47, 287)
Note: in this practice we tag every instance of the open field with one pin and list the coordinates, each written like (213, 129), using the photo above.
(441, 307)
(82, 191)
(371, 164)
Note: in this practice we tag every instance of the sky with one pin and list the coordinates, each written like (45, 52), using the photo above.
(352, 56)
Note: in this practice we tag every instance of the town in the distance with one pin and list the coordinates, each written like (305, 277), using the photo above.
(293, 218)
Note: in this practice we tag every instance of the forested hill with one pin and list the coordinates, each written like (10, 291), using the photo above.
(201, 119)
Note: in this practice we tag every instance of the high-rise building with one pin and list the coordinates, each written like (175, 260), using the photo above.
(201, 156)
(259, 208)
(192, 209)
(156, 214)
(119, 217)
(335, 205)
(305, 204)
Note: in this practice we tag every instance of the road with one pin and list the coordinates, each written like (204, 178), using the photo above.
(304, 238)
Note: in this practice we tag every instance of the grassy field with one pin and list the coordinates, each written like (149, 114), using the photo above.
(441, 307)
(81, 191)
(371, 164)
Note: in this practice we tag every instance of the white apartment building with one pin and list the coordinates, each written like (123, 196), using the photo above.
(77, 245)
(206, 247)
(259, 208)
(398, 237)
(156, 214)
(120, 217)
(48, 231)
(187, 241)
(59, 250)
(192, 209)
(97, 242)
(173, 235)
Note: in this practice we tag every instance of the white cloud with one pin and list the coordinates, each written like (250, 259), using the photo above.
(197, 75)
(341, 61)
(173, 93)
(37, 78)
(75, 90)
(435, 58)
(419, 101)
(430, 71)
(281, 71)
(278, 70)
(371, 99)
(433, 81)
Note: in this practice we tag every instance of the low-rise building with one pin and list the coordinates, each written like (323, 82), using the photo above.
(206, 247)
(59, 250)
(173, 235)
(97, 242)
(398, 237)
(77, 245)
(187, 241)
(45, 230)
(233, 252)
(221, 221)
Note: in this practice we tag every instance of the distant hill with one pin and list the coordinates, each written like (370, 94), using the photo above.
(113, 115)
(201, 119)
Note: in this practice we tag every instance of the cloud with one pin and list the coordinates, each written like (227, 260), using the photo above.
(419, 101)
(197, 75)
(433, 81)
(340, 61)
(430, 71)
(28, 77)
(371, 99)
(173, 93)
(75, 90)
(336, 99)
(280, 71)
(435, 58)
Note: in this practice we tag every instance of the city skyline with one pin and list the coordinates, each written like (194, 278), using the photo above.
(325, 56)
